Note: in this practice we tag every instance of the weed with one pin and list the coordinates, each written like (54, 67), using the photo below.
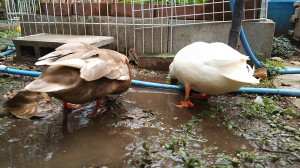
(5, 33)
(214, 111)
(190, 162)
(221, 158)
(147, 157)
(247, 156)
(273, 65)
(230, 124)
(191, 125)
(168, 76)
(267, 122)
(263, 84)
(281, 47)
(145, 70)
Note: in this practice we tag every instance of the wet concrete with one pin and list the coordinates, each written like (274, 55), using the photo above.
(114, 138)
(289, 81)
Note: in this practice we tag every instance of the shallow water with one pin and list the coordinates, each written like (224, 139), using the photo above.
(114, 138)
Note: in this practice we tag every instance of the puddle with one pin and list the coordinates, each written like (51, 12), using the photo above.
(113, 139)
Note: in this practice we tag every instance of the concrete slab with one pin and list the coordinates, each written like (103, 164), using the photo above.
(289, 81)
(159, 62)
(30, 48)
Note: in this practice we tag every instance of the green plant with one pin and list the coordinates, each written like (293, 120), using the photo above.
(214, 111)
(190, 162)
(5, 33)
(274, 65)
(281, 47)
(226, 159)
(146, 158)
(250, 157)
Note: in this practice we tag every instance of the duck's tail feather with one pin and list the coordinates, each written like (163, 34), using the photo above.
(242, 76)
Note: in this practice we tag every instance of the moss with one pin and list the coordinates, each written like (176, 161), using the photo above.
(158, 55)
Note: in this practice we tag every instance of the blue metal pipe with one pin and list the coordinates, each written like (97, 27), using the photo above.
(250, 53)
(21, 72)
(7, 52)
(284, 92)
(156, 85)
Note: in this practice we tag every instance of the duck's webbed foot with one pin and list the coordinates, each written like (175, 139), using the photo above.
(202, 96)
(70, 106)
(184, 104)
(98, 104)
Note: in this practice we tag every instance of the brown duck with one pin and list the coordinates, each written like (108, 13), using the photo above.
(80, 73)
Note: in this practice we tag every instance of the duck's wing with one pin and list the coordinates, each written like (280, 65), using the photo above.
(64, 50)
(220, 54)
(55, 78)
(93, 63)
(240, 72)
(96, 63)
(107, 63)
(228, 61)
(232, 64)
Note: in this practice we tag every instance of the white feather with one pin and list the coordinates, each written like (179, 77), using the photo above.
(126, 77)
(92, 62)
(42, 86)
(90, 54)
(44, 62)
(75, 63)
(213, 68)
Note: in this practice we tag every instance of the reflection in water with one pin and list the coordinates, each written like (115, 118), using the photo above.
(113, 138)
(27, 144)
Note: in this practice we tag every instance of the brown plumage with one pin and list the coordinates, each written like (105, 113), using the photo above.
(80, 73)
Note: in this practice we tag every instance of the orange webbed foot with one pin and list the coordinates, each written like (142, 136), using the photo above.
(185, 104)
(98, 104)
(202, 96)
(72, 106)
(94, 114)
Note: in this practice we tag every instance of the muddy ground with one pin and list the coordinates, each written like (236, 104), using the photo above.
(143, 129)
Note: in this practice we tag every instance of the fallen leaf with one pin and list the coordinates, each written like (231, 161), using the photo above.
(261, 73)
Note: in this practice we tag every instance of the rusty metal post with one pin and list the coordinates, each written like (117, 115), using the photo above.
(236, 24)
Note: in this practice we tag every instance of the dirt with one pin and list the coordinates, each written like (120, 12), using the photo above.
(208, 132)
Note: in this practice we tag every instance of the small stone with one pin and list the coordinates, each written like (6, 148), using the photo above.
(278, 59)
(243, 147)
(284, 84)
(295, 62)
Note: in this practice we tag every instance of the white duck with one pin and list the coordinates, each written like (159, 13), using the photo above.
(211, 69)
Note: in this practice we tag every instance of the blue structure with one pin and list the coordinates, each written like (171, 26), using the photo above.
(280, 11)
